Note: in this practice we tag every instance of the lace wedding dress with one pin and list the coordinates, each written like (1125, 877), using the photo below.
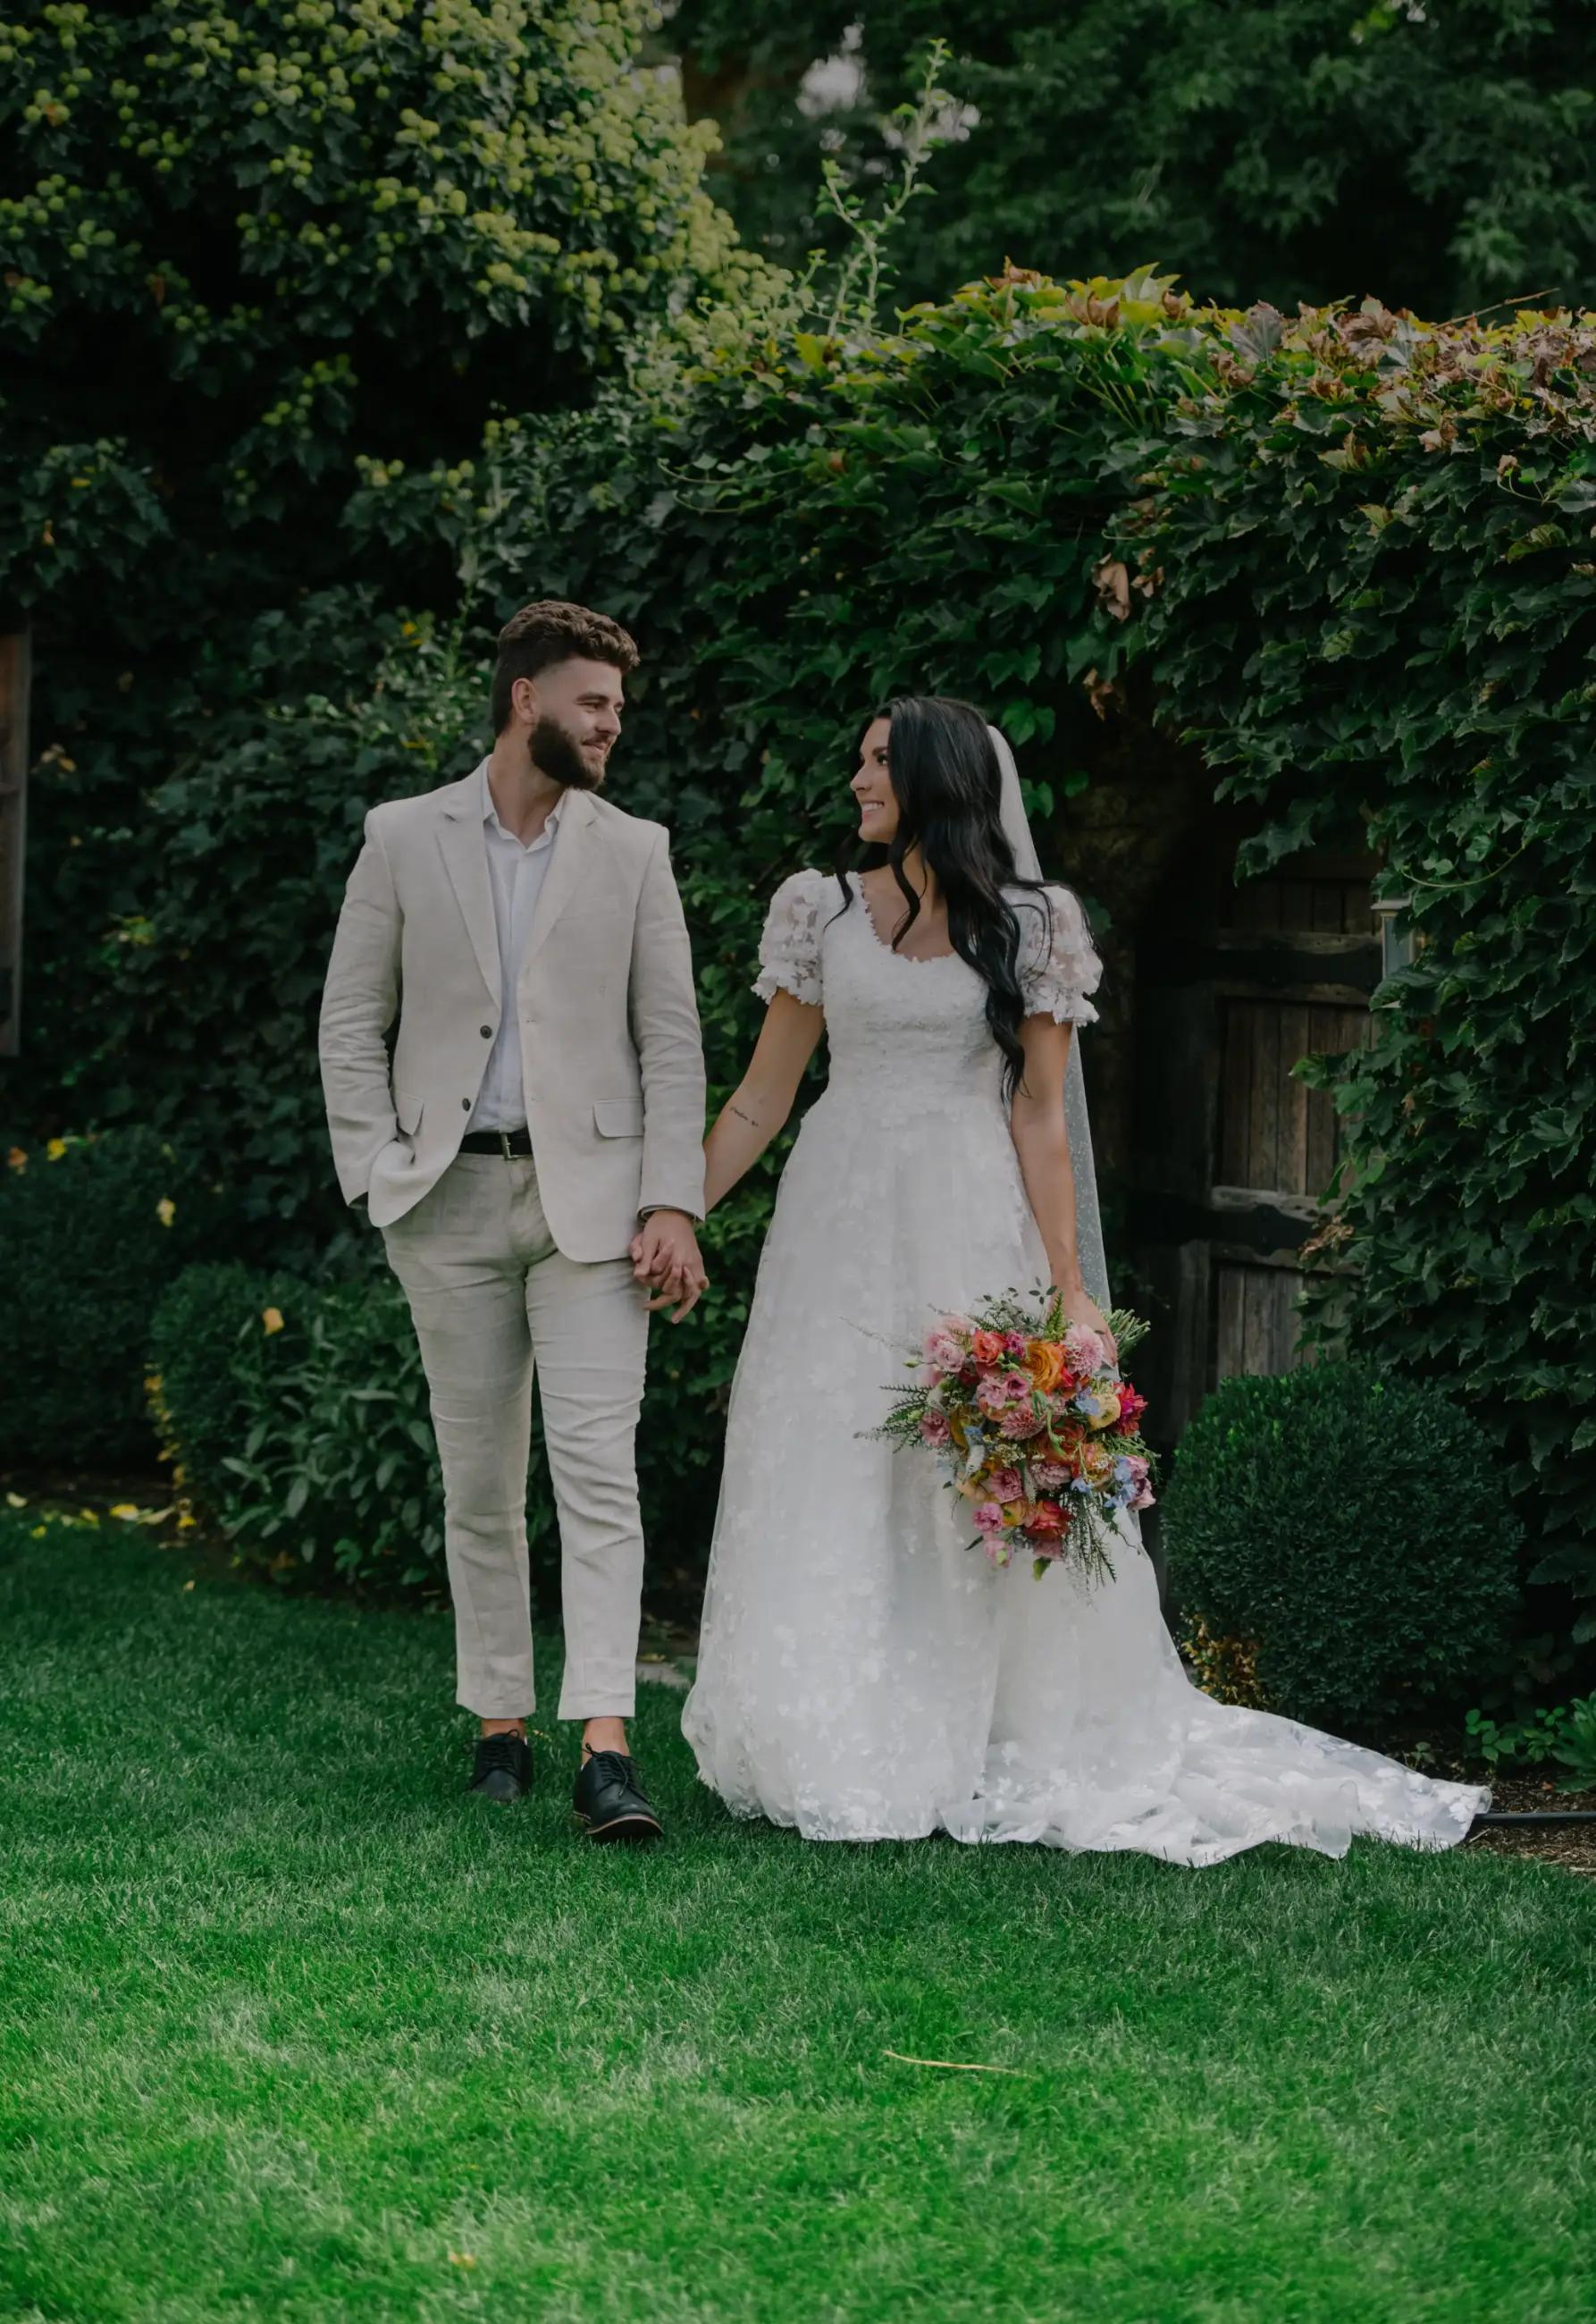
(862, 1673)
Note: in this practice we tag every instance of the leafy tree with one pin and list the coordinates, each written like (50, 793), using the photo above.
(245, 243)
(244, 247)
(1443, 155)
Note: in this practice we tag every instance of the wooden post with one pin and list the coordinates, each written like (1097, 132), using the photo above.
(16, 668)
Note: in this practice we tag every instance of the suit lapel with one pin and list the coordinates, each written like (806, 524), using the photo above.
(572, 855)
(465, 856)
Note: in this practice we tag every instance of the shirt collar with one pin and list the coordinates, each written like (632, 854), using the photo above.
(491, 812)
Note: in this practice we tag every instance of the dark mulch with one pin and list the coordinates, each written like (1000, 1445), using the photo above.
(1571, 1845)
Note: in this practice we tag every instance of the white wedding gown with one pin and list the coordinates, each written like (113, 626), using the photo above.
(862, 1673)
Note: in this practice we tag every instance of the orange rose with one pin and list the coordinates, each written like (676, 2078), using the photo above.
(1097, 1462)
(987, 1347)
(1044, 1360)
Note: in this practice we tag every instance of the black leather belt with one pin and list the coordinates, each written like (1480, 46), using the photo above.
(497, 1141)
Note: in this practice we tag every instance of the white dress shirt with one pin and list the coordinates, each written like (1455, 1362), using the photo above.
(516, 874)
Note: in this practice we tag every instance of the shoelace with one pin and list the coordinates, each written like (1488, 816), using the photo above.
(500, 1751)
(618, 1766)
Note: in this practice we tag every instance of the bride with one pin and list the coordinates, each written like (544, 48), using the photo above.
(862, 1675)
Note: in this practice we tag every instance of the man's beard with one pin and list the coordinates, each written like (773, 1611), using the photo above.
(554, 750)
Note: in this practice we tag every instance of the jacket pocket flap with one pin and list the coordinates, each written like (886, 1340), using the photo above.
(619, 1117)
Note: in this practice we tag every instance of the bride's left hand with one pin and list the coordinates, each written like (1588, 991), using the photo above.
(1080, 1307)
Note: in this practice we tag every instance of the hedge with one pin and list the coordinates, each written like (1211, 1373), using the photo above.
(1349, 554)
(1341, 1547)
(92, 1231)
(295, 1417)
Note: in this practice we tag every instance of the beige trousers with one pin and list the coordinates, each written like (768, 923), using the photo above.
(492, 1297)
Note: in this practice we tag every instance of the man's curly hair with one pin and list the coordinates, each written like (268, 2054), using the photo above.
(549, 632)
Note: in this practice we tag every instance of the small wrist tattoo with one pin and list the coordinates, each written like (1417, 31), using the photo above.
(742, 1116)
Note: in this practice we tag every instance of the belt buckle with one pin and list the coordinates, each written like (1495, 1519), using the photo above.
(504, 1144)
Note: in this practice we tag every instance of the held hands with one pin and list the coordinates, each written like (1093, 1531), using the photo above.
(665, 1260)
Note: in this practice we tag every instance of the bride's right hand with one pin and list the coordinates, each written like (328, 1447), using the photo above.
(1080, 1307)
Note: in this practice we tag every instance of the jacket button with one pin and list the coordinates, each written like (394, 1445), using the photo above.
(486, 1032)
(466, 1104)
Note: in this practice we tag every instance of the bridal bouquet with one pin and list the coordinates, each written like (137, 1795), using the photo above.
(1033, 1426)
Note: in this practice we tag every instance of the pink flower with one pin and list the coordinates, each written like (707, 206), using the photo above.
(934, 1429)
(1019, 1422)
(988, 1518)
(999, 1552)
(1005, 1485)
(943, 1352)
(1085, 1350)
(1143, 1500)
(993, 1398)
(1017, 1386)
(1052, 1476)
(1015, 1343)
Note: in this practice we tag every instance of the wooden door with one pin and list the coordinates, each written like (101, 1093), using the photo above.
(1234, 985)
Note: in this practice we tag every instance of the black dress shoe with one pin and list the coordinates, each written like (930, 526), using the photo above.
(503, 1770)
(609, 1798)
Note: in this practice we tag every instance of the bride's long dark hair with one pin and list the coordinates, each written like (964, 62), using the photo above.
(949, 787)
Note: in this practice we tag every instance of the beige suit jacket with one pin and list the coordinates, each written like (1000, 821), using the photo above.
(611, 1053)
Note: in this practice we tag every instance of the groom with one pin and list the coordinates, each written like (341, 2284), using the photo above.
(546, 1094)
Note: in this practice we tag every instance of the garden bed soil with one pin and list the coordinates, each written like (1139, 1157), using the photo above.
(1571, 1845)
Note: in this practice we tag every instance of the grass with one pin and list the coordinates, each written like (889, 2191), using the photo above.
(293, 2030)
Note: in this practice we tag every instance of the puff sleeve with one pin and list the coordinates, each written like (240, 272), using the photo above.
(1057, 965)
(790, 947)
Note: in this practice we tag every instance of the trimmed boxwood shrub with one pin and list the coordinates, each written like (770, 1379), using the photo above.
(92, 1231)
(1341, 1545)
(297, 1421)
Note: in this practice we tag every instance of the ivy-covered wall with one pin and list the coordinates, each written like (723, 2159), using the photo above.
(1373, 557)
(1350, 557)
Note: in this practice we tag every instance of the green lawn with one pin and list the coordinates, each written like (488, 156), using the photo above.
(291, 2029)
